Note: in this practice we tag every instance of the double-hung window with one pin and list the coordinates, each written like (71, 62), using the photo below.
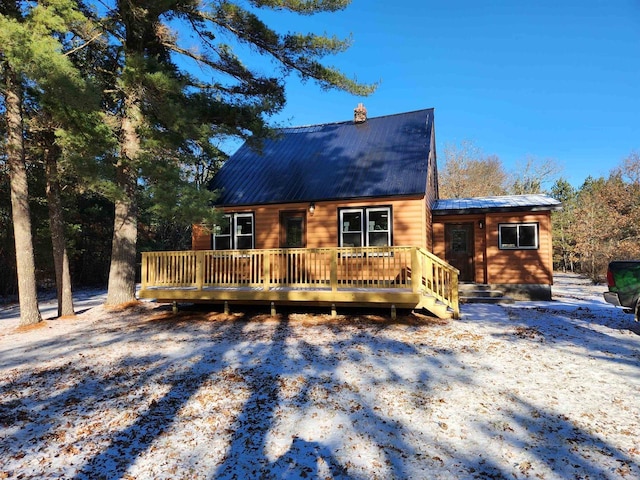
(365, 227)
(518, 236)
(236, 232)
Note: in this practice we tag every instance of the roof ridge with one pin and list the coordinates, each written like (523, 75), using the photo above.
(350, 122)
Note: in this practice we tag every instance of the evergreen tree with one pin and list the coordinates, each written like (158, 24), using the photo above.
(12, 28)
(165, 117)
(32, 57)
(34, 65)
(562, 221)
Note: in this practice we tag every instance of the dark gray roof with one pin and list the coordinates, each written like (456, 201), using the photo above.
(507, 203)
(385, 156)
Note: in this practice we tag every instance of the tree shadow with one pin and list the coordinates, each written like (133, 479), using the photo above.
(347, 399)
(554, 441)
(583, 327)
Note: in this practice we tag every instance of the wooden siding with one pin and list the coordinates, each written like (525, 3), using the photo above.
(495, 266)
(520, 266)
(431, 191)
(428, 230)
(432, 173)
(200, 237)
(409, 222)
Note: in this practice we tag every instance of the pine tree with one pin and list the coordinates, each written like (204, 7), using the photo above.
(32, 55)
(11, 23)
(166, 117)
(563, 243)
(21, 215)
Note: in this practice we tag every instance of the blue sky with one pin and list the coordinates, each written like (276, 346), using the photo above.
(549, 79)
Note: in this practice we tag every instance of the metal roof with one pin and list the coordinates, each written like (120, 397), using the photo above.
(385, 156)
(507, 203)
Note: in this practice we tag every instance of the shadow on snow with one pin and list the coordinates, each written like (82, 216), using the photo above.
(266, 359)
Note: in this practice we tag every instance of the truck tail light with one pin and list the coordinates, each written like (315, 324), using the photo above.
(610, 280)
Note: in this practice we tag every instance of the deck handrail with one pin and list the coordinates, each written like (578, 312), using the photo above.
(440, 280)
(333, 268)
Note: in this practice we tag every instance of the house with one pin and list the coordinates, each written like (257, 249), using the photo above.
(503, 242)
(349, 213)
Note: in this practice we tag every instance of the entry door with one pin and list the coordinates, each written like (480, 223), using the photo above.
(459, 249)
(292, 229)
(293, 235)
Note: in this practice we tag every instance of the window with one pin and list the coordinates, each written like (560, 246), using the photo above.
(365, 227)
(222, 234)
(514, 236)
(459, 243)
(235, 232)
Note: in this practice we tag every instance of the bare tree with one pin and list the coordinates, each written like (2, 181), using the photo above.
(533, 175)
(629, 170)
(468, 172)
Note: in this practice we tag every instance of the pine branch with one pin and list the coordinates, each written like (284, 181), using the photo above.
(84, 45)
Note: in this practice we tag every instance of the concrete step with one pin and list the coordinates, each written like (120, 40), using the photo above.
(478, 293)
(502, 299)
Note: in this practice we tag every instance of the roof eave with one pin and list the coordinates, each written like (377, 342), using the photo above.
(318, 200)
(471, 211)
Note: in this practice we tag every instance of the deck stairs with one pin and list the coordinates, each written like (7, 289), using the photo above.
(432, 304)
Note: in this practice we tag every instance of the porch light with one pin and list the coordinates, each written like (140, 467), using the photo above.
(312, 208)
(480, 224)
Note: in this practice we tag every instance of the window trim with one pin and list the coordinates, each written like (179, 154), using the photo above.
(518, 225)
(233, 231)
(364, 226)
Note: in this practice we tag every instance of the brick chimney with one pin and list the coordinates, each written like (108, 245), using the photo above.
(359, 114)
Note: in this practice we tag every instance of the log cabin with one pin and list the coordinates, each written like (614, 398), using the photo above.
(348, 213)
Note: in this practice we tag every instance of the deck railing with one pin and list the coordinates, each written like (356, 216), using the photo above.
(327, 268)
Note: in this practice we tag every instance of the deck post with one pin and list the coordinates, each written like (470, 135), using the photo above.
(334, 270)
(393, 312)
(455, 302)
(226, 307)
(199, 269)
(273, 309)
(266, 270)
(144, 270)
(334, 313)
(416, 271)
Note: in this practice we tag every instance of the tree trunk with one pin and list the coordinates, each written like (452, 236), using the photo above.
(122, 271)
(21, 214)
(56, 219)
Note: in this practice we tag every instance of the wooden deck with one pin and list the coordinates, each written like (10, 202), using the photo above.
(402, 277)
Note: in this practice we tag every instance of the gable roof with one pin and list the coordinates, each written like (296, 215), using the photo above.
(384, 156)
(506, 203)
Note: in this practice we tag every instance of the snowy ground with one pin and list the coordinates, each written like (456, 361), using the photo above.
(532, 390)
